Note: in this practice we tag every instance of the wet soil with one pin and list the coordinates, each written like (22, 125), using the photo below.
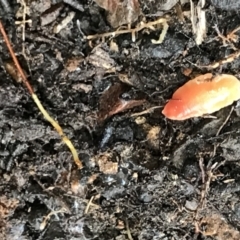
(145, 177)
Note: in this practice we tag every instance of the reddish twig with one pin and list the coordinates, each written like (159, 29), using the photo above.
(5, 37)
(37, 101)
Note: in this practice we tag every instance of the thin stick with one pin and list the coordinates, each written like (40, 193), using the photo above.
(140, 27)
(219, 130)
(128, 231)
(225, 122)
(15, 59)
(227, 59)
(88, 205)
(46, 218)
(37, 101)
(149, 110)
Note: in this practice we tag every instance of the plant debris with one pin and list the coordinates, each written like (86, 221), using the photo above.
(142, 25)
(37, 101)
(198, 19)
(111, 102)
(120, 12)
(218, 228)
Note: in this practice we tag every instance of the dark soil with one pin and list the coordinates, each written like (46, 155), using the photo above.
(145, 177)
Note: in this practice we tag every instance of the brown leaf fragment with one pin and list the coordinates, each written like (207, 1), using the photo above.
(82, 86)
(187, 71)
(72, 64)
(77, 187)
(120, 12)
(7, 209)
(111, 103)
(105, 165)
(101, 59)
(124, 105)
(12, 70)
(124, 78)
(109, 168)
(7, 206)
(215, 226)
(132, 79)
(153, 137)
(92, 178)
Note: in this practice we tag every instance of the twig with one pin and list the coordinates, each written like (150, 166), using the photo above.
(140, 27)
(45, 220)
(206, 181)
(149, 110)
(228, 59)
(231, 37)
(224, 123)
(232, 34)
(88, 205)
(214, 150)
(219, 130)
(202, 169)
(128, 231)
(206, 187)
(37, 101)
(225, 40)
(50, 192)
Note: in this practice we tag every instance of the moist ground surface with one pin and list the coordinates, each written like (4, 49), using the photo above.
(145, 177)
